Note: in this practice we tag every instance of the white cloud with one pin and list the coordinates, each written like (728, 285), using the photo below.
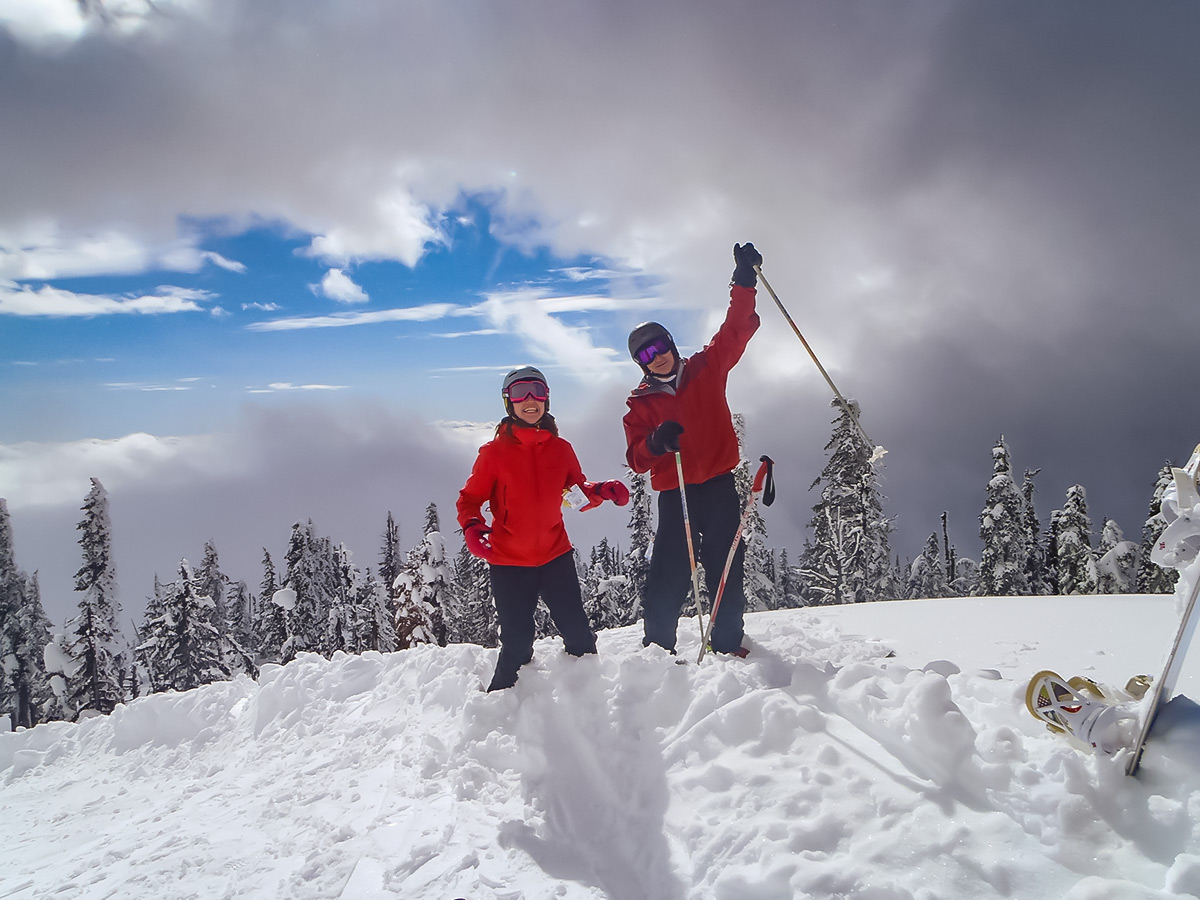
(42, 250)
(392, 226)
(51, 302)
(426, 313)
(527, 314)
(337, 285)
(288, 386)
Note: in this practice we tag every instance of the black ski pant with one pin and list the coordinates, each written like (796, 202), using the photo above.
(714, 510)
(515, 590)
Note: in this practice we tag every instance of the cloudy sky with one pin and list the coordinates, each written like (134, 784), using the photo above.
(266, 261)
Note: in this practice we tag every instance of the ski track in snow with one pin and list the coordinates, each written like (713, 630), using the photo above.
(816, 768)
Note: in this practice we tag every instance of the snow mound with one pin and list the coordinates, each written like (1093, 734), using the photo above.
(817, 767)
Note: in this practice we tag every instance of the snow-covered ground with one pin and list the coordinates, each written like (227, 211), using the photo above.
(818, 767)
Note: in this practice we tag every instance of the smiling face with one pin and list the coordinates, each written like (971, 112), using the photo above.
(529, 410)
(663, 364)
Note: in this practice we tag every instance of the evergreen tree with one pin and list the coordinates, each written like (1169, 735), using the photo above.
(374, 619)
(1116, 561)
(1051, 571)
(270, 621)
(641, 537)
(788, 579)
(341, 627)
(848, 560)
(1151, 577)
(1076, 560)
(241, 604)
(211, 583)
(926, 577)
(182, 644)
(423, 588)
(25, 692)
(1035, 561)
(1004, 532)
(94, 638)
(310, 580)
(604, 588)
(966, 577)
(391, 562)
(475, 619)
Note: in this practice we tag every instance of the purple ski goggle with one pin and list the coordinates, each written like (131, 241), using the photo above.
(520, 390)
(656, 347)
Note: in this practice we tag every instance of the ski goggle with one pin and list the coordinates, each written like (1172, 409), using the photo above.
(520, 390)
(656, 347)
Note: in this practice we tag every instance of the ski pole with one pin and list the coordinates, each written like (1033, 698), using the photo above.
(687, 527)
(878, 451)
(762, 479)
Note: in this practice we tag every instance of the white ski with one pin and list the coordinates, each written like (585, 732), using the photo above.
(1177, 548)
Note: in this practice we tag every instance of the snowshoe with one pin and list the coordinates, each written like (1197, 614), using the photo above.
(1073, 708)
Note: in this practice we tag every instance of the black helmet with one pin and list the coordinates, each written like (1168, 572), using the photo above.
(524, 373)
(643, 335)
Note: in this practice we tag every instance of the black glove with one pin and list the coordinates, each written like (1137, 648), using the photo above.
(665, 438)
(745, 258)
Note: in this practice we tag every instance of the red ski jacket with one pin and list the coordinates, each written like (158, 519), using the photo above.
(708, 445)
(522, 475)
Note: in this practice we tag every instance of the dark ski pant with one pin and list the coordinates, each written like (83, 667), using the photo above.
(714, 510)
(515, 590)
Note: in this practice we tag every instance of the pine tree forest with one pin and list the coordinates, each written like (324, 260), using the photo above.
(202, 625)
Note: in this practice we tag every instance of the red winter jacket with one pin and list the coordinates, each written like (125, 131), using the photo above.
(521, 475)
(708, 445)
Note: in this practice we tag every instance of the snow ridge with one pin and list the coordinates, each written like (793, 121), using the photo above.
(818, 767)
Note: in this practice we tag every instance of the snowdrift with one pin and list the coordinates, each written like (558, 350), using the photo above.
(818, 767)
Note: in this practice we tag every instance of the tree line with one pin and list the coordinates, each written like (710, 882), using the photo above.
(203, 626)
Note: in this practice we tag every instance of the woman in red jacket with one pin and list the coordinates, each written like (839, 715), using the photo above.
(681, 403)
(523, 474)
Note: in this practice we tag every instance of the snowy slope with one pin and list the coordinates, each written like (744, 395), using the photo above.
(816, 768)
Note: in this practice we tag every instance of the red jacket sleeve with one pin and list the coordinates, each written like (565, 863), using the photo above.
(741, 321)
(477, 490)
(637, 429)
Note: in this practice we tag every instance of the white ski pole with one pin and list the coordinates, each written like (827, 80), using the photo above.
(687, 527)
(878, 451)
(760, 480)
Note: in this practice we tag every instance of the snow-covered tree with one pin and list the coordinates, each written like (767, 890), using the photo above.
(182, 644)
(241, 607)
(423, 589)
(474, 620)
(25, 693)
(1076, 560)
(965, 582)
(605, 595)
(374, 620)
(391, 562)
(848, 559)
(1035, 561)
(311, 579)
(641, 537)
(270, 620)
(340, 626)
(94, 639)
(788, 581)
(926, 576)
(1004, 532)
(1151, 577)
(1116, 561)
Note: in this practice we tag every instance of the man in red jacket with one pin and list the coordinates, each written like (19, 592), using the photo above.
(680, 406)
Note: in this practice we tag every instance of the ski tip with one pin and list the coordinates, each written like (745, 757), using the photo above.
(877, 454)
